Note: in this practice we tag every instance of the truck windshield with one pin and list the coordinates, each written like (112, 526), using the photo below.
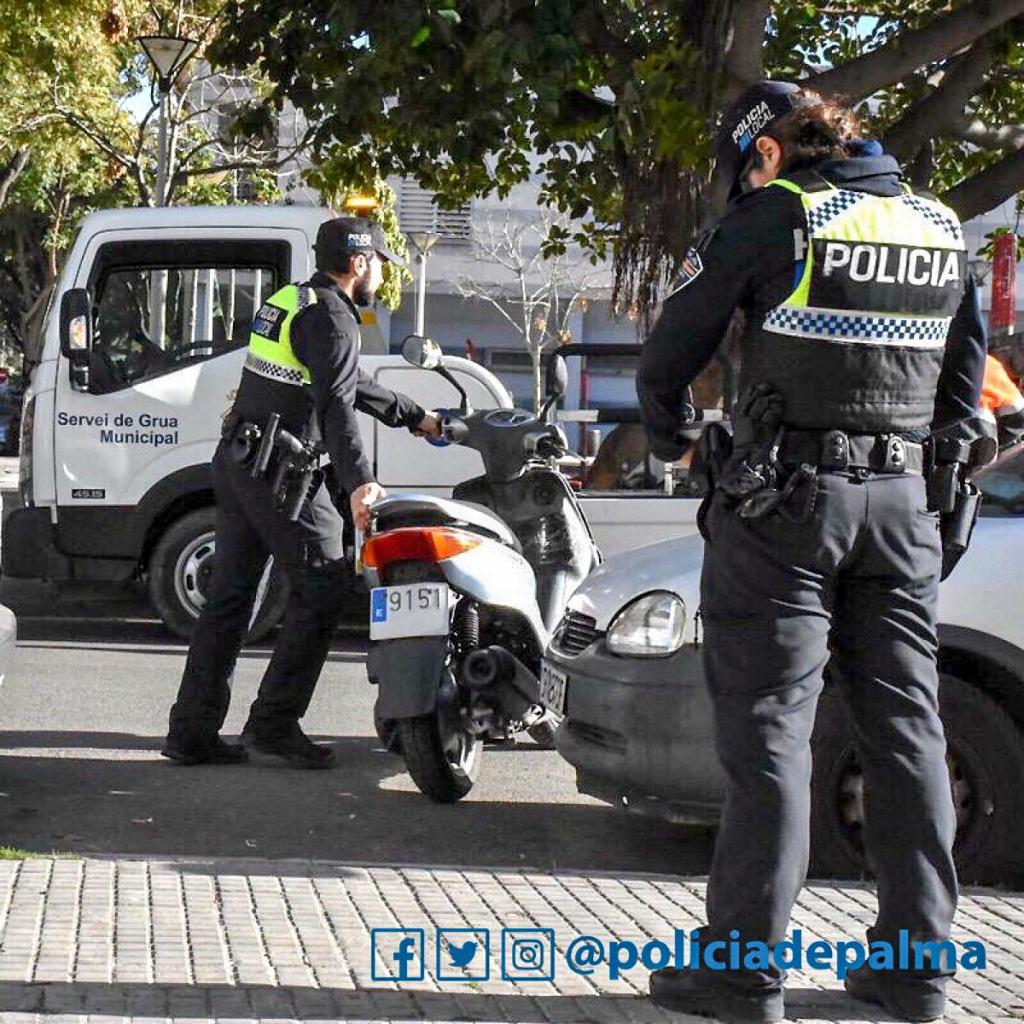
(151, 320)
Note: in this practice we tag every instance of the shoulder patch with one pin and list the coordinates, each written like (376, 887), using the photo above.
(689, 270)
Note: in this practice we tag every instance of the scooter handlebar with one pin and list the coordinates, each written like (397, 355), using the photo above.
(454, 429)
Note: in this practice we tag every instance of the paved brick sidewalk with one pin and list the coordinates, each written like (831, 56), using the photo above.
(249, 940)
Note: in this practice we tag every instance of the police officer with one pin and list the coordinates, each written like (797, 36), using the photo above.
(861, 336)
(302, 364)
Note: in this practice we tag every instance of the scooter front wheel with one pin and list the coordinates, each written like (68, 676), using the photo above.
(443, 761)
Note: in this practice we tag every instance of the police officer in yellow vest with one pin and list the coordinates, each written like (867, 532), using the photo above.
(302, 365)
(862, 337)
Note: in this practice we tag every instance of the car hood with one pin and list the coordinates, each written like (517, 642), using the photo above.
(984, 594)
(672, 565)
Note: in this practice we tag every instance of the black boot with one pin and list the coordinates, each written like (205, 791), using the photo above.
(905, 999)
(205, 751)
(705, 993)
(287, 742)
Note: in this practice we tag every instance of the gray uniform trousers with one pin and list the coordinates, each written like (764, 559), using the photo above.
(858, 581)
(249, 528)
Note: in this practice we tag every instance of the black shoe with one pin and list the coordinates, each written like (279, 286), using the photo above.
(704, 993)
(904, 999)
(215, 751)
(289, 743)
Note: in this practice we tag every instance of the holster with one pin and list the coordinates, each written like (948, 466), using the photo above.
(952, 454)
(957, 526)
(713, 450)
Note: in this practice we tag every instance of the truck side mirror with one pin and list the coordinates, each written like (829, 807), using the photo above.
(76, 335)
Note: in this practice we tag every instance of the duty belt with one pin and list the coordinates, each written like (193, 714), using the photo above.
(838, 451)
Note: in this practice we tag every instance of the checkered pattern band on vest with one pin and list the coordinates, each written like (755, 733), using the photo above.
(839, 202)
(835, 325)
(264, 368)
(932, 213)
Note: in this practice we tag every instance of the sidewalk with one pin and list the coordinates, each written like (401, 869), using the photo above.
(290, 940)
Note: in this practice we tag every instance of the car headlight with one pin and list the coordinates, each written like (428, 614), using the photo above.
(652, 626)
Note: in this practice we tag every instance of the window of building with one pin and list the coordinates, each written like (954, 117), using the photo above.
(417, 211)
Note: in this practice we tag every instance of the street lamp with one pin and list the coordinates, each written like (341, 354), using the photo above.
(167, 54)
(422, 242)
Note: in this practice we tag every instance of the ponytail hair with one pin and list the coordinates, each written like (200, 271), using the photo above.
(817, 131)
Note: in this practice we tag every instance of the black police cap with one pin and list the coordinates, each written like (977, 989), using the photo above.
(344, 235)
(750, 117)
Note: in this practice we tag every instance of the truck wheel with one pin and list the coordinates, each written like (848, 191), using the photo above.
(180, 568)
(443, 768)
(986, 764)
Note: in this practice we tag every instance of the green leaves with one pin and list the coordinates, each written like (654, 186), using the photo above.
(609, 105)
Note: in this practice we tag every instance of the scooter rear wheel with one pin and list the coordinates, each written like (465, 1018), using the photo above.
(443, 762)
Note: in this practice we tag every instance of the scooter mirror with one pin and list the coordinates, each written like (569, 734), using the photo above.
(556, 377)
(422, 352)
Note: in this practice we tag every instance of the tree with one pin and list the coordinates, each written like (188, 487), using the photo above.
(614, 101)
(49, 177)
(535, 295)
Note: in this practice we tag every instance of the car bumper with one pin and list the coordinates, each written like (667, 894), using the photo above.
(639, 732)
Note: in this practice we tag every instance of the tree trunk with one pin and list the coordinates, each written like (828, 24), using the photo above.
(538, 384)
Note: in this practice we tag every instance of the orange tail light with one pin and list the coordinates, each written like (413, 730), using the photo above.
(415, 544)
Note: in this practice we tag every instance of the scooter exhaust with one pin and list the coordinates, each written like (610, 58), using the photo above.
(499, 676)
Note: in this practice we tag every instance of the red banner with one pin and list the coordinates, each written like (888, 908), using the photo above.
(1004, 284)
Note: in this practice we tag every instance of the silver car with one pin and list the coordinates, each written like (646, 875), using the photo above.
(626, 660)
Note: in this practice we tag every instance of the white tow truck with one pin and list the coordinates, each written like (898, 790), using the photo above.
(141, 350)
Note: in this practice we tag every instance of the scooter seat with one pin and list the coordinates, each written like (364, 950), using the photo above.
(402, 510)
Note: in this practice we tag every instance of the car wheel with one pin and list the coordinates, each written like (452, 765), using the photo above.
(180, 569)
(986, 767)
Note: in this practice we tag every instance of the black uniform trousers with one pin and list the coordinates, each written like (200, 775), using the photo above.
(310, 551)
(857, 582)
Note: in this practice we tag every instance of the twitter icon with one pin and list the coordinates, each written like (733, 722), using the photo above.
(463, 954)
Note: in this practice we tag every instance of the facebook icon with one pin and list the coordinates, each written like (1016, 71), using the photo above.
(397, 954)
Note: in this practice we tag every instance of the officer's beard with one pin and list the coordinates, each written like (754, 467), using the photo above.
(362, 292)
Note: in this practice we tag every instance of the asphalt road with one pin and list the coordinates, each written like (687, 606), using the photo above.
(84, 709)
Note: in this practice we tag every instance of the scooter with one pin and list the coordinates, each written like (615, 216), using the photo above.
(465, 593)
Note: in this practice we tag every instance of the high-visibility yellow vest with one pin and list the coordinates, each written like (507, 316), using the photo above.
(858, 343)
(270, 340)
(881, 249)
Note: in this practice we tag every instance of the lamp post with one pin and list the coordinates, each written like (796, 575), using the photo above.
(422, 242)
(168, 55)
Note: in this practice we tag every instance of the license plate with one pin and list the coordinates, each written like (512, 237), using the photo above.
(412, 609)
(553, 685)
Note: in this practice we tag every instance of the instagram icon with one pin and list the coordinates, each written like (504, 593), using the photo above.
(528, 954)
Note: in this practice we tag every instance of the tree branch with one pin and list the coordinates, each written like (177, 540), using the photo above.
(744, 60)
(974, 130)
(96, 138)
(933, 114)
(912, 49)
(988, 188)
(12, 171)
